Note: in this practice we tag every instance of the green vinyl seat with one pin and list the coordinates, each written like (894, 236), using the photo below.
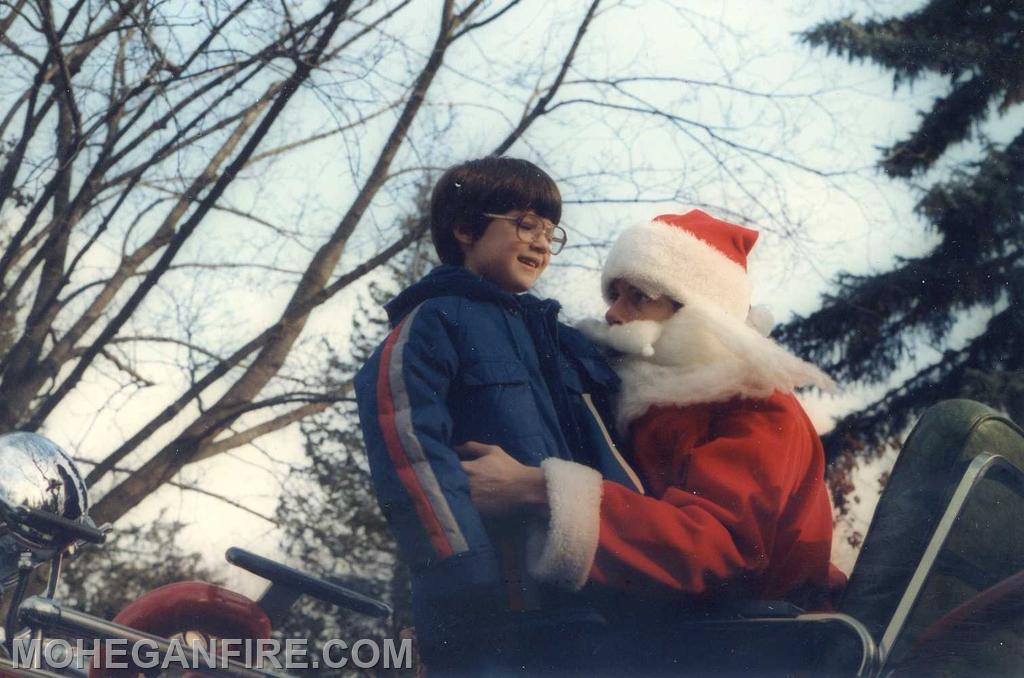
(939, 571)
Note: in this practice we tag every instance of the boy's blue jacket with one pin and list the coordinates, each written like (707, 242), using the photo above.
(468, 361)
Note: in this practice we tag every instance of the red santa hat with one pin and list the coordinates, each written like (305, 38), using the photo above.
(684, 256)
(718, 342)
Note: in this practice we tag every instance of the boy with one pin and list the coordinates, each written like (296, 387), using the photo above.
(472, 357)
(737, 505)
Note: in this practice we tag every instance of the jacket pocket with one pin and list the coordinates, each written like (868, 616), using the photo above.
(496, 403)
(495, 373)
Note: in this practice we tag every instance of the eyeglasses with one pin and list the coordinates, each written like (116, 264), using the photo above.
(529, 227)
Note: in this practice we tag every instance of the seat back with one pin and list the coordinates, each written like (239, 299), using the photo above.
(936, 533)
(962, 613)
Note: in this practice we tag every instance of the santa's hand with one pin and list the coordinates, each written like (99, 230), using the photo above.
(500, 485)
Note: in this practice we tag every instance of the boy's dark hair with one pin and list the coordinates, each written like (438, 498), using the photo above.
(492, 184)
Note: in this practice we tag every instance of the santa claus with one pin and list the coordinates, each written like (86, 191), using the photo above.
(735, 503)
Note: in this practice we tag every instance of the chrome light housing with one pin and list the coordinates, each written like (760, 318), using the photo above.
(35, 473)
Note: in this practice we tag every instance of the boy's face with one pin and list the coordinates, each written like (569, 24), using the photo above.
(503, 257)
(628, 303)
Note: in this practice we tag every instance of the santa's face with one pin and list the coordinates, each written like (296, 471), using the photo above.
(657, 329)
(629, 303)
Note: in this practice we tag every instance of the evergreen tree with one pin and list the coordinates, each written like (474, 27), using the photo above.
(873, 324)
(103, 580)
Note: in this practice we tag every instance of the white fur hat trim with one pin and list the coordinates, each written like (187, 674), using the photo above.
(660, 258)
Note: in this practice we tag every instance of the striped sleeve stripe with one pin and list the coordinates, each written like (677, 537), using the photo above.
(406, 453)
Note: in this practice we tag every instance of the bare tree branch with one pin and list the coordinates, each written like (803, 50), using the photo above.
(541, 107)
(301, 72)
(192, 487)
(688, 123)
(271, 357)
(216, 447)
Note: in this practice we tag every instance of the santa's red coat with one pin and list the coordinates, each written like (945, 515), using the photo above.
(737, 504)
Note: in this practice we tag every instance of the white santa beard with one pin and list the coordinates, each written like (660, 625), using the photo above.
(682, 340)
(634, 338)
(687, 341)
(704, 355)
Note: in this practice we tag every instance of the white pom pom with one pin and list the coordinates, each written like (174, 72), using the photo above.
(760, 318)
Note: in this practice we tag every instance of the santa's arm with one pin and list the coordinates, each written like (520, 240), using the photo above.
(563, 496)
(716, 523)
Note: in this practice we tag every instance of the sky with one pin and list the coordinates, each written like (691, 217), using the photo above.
(837, 114)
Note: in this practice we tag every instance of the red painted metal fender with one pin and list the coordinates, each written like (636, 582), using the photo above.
(192, 606)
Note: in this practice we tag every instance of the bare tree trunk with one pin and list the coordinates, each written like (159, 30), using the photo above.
(23, 381)
(9, 18)
(108, 463)
(168, 461)
(298, 76)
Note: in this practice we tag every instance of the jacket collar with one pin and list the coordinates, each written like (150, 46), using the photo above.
(446, 281)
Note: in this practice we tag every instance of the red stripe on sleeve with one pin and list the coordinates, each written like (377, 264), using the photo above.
(400, 457)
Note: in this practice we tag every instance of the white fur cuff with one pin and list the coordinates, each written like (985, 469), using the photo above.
(564, 553)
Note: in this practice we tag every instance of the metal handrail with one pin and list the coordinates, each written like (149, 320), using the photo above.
(50, 616)
(980, 468)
